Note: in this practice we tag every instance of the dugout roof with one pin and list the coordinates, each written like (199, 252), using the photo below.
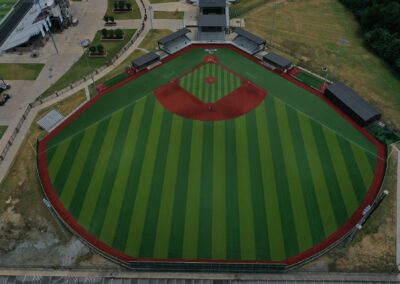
(212, 3)
(146, 59)
(249, 36)
(349, 98)
(174, 36)
(212, 21)
(277, 60)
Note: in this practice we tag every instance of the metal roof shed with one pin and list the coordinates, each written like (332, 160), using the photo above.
(351, 103)
(212, 3)
(145, 60)
(250, 36)
(277, 60)
(212, 21)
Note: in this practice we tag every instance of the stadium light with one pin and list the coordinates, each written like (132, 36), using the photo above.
(50, 33)
(84, 45)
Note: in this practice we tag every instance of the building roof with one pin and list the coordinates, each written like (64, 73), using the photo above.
(353, 101)
(50, 120)
(212, 3)
(145, 59)
(249, 36)
(212, 21)
(13, 19)
(277, 60)
(174, 36)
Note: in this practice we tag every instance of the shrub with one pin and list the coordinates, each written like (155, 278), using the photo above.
(128, 5)
(106, 18)
(100, 49)
(119, 33)
(92, 49)
(115, 5)
(121, 5)
(111, 18)
(111, 33)
(104, 32)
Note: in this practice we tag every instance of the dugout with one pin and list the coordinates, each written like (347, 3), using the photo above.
(145, 61)
(352, 104)
(248, 42)
(278, 61)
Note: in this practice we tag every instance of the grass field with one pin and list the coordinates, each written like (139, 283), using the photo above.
(265, 186)
(312, 37)
(134, 14)
(195, 82)
(3, 129)
(309, 80)
(5, 7)
(14, 71)
(168, 15)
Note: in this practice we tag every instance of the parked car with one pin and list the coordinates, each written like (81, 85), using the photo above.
(4, 86)
(4, 98)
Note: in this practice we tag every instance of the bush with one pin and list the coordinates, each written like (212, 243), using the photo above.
(128, 5)
(115, 5)
(100, 49)
(111, 18)
(111, 33)
(104, 32)
(92, 49)
(106, 18)
(121, 5)
(119, 33)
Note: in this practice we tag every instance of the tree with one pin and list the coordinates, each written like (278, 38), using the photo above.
(115, 5)
(100, 49)
(121, 5)
(128, 5)
(106, 18)
(119, 33)
(104, 33)
(111, 18)
(92, 49)
(111, 33)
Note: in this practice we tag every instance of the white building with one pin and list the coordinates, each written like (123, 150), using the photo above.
(31, 18)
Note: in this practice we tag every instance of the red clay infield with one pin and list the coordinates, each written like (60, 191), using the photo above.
(179, 101)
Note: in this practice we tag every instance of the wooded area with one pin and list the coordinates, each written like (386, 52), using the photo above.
(380, 24)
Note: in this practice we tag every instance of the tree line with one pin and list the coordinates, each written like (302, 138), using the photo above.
(380, 24)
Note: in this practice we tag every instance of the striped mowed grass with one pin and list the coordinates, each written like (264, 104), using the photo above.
(265, 186)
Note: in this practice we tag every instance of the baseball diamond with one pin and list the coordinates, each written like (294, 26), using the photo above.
(278, 184)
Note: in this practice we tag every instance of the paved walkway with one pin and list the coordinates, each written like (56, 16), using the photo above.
(30, 119)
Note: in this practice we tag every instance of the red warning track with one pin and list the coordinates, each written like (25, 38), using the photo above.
(179, 101)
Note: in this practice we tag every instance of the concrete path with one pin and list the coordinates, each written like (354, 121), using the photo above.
(4, 167)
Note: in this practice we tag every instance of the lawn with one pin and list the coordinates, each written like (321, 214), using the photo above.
(3, 129)
(312, 36)
(264, 186)
(134, 14)
(168, 15)
(80, 68)
(20, 71)
(150, 41)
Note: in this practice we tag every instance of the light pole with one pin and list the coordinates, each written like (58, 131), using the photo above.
(50, 33)
(84, 45)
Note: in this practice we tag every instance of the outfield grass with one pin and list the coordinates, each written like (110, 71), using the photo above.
(265, 186)
(134, 14)
(20, 71)
(80, 68)
(168, 15)
(312, 36)
(5, 7)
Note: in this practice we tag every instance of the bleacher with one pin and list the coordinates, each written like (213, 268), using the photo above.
(175, 41)
(212, 36)
(248, 42)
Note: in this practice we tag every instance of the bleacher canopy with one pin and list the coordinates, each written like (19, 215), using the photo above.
(277, 60)
(352, 103)
(249, 36)
(212, 3)
(145, 60)
(212, 21)
(174, 36)
(50, 120)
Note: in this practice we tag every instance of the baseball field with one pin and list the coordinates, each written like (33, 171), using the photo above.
(132, 177)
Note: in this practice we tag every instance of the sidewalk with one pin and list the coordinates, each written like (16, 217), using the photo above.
(9, 158)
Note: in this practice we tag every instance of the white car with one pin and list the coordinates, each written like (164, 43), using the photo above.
(4, 86)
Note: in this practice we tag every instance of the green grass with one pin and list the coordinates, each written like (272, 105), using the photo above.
(194, 82)
(3, 129)
(134, 14)
(264, 186)
(20, 71)
(311, 38)
(168, 15)
(150, 41)
(309, 80)
(80, 68)
(5, 7)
